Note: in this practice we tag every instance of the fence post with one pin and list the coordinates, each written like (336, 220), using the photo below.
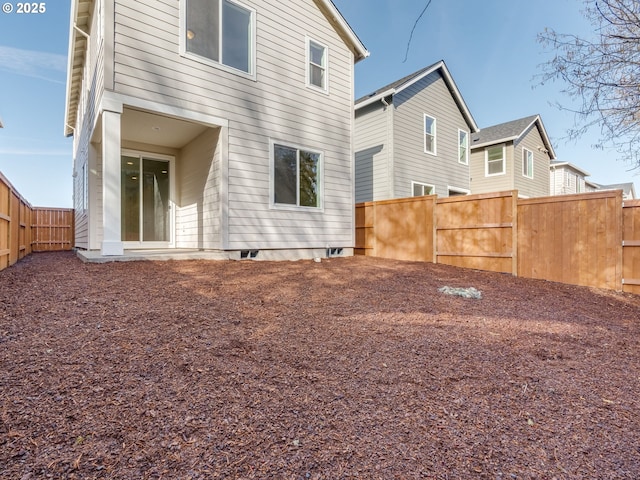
(514, 232)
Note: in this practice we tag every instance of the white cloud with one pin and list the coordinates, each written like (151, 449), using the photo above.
(32, 63)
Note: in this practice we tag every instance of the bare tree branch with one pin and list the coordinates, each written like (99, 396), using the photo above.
(602, 74)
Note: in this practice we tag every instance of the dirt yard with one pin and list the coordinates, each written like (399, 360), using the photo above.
(348, 368)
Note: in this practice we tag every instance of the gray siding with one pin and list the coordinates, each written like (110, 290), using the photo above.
(90, 95)
(277, 106)
(198, 196)
(480, 182)
(373, 166)
(432, 97)
(538, 186)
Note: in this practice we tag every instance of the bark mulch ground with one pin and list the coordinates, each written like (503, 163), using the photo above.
(348, 368)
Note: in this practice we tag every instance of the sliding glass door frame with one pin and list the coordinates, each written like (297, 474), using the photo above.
(142, 243)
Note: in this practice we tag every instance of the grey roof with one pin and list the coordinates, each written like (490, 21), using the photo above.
(510, 131)
(558, 163)
(398, 83)
(504, 131)
(405, 82)
(627, 188)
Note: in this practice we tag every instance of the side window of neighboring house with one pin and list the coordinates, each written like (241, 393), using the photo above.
(495, 162)
(567, 179)
(579, 188)
(429, 134)
(296, 176)
(527, 163)
(463, 147)
(221, 32)
(317, 65)
(418, 189)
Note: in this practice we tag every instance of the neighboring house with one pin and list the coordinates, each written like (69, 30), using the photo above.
(412, 138)
(512, 156)
(223, 125)
(590, 186)
(567, 178)
(628, 189)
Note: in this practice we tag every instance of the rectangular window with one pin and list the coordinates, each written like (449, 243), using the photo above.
(296, 176)
(429, 134)
(221, 31)
(419, 189)
(317, 65)
(527, 163)
(495, 161)
(463, 147)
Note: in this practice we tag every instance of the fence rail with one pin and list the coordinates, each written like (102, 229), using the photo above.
(588, 239)
(25, 229)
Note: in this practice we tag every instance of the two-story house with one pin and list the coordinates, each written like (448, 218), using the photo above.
(567, 178)
(512, 156)
(412, 137)
(219, 125)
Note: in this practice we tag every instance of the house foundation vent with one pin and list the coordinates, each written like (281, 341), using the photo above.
(248, 254)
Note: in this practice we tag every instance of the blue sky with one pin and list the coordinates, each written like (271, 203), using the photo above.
(490, 48)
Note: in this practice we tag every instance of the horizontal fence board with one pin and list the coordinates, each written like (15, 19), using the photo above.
(25, 229)
(575, 239)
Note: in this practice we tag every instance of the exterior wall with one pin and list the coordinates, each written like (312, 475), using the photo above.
(276, 106)
(373, 158)
(566, 181)
(198, 196)
(90, 95)
(538, 186)
(432, 97)
(480, 182)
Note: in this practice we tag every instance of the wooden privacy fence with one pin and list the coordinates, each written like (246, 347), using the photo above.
(587, 239)
(25, 229)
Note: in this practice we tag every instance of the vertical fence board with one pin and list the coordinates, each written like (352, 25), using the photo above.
(572, 239)
(477, 231)
(631, 249)
(575, 239)
(404, 228)
(24, 229)
(52, 229)
(5, 223)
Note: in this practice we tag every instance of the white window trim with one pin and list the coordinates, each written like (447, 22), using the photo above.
(435, 134)
(486, 162)
(198, 58)
(524, 163)
(142, 154)
(422, 184)
(466, 162)
(310, 85)
(272, 187)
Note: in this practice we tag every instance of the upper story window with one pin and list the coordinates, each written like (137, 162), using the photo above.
(463, 147)
(429, 134)
(495, 162)
(317, 65)
(419, 189)
(221, 32)
(527, 163)
(296, 176)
